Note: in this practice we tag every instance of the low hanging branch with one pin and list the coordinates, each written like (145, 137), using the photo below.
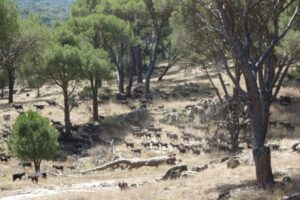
(134, 163)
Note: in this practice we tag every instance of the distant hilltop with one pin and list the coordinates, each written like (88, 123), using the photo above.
(50, 11)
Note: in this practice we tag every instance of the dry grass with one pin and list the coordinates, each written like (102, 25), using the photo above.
(205, 185)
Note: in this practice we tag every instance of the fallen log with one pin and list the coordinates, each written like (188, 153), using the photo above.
(134, 163)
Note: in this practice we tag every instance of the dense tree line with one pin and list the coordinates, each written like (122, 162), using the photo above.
(129, 36)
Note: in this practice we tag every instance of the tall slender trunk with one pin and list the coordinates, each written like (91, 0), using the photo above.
(259, 117)
(138, 55)
(95, 88)
(120, 71)
(68, 124)
(11, 83)
(38, 95)
(151, 65)
(148, 78)
(130, 81)
(37, 165)
(235, 130)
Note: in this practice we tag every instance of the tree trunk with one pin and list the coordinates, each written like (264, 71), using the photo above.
(259, 117)
(151, 66)
(95, 88)
(36, 167)
(38, 95)
(137, 51)
(165, 72)
(235, 130)
(11, 83)
(262, 159)
(130, 82)
(148, 78)
(68, 125)
(120, 71)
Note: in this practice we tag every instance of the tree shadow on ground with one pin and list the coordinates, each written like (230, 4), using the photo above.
(248, 190)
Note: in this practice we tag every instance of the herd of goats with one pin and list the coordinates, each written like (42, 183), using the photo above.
(150, 137)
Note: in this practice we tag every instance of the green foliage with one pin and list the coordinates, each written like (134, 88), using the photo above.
(31, 68)
(289, 45)
(63, 58)
(95, 62)
(50, 11)
(33, 138)
(8, 20)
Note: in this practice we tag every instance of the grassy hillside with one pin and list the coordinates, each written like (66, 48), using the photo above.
(50, 11)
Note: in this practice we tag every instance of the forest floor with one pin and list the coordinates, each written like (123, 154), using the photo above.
(211, 183)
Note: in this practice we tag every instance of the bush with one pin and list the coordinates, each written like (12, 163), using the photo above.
(33, 138)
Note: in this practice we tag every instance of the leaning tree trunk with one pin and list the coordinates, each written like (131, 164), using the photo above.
(164, 72)
(259, 117)
(11, 83)
(68, 124)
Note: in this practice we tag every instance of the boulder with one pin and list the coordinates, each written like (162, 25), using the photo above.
(136, 116)
(296, 147)
(233, 163)
(173, 117)
(280, 173)
(286, 179)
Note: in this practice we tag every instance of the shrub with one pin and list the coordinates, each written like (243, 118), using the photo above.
(33, 138)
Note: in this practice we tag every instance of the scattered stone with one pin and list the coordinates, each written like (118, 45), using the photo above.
(274, 147)
(123, 185)
(224, 195)
(224, 159)
(296, 147)
(188, 174)
(295, 196)
(280, 173)
(286, 179)
(199, 169)
(233, 163)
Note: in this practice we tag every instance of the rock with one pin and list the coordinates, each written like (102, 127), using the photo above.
(233, 163)
(296, 147)
(190, 113)
(173, 118)
(286, 179)
(274, 147)
(280, 173)
(224, 195)
(136, 116)
(199, 169)
(224, 159)
(188, 174)
(295, 196)
(123, 185)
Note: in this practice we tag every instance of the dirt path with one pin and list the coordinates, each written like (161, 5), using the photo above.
(43, 191)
